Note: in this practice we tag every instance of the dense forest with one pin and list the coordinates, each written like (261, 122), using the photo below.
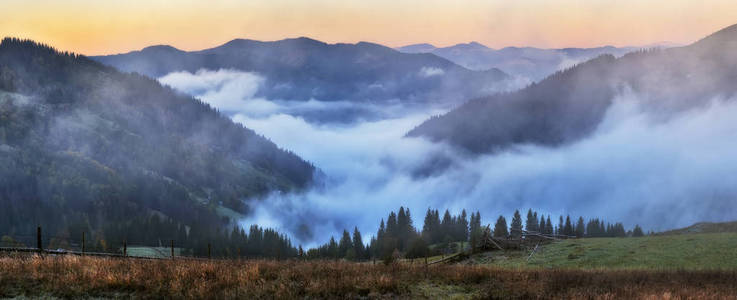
(86, 148)
(569, 105)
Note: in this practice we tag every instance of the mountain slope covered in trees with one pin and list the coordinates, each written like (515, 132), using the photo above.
(570, 104)
(86, 148)
(304, 69)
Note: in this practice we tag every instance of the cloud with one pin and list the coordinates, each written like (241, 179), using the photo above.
(637, 167)
(430, 71)
(228, 90)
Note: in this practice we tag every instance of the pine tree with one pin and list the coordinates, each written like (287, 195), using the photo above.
(463, 226)
(568, 227)
(548, 226)
(358, 248)
(446, 226)
(580, 229)
(559, 229)
(515, 231)
(391, 225)
(542, 225)
(500, 229)
(529, 223)
(428, 227)
(637, 232)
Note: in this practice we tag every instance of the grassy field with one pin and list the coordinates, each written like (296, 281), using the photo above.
(685, 251)
(87, 277)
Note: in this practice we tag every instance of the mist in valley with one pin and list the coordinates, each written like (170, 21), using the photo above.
(639, 166)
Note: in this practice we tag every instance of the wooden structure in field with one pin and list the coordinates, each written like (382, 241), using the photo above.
(527, 239)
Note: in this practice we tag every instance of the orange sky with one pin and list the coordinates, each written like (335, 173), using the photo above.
(114, 26)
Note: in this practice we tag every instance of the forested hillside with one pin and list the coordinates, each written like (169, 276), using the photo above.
(570, 104)
(84, 147)
(304, 69)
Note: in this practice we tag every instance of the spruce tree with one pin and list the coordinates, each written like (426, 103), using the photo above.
(515, 231)
(548, 226)
(500, 228)
(358, 247)
(529, 226)
(446, 226)
(637, 232)
(580, 229)
(568, 227)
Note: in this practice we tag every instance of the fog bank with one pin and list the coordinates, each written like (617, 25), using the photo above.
(658, 172)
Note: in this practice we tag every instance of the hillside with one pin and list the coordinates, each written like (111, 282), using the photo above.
(304, 69)
(691, 252)
(704, 227)
(86, 148)
(569, 105)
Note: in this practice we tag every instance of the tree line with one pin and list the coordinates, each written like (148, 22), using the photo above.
(397, 236)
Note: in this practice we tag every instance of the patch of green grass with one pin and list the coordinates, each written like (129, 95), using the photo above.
(153, 252)
(692, 251)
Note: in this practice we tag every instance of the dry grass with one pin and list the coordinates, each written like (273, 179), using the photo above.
(75, 277)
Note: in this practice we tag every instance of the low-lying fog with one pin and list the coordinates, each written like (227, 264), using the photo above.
(659, 172)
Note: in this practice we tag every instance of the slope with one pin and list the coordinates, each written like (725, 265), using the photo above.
(87, 148)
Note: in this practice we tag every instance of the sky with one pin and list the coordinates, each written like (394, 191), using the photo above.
(96, 27)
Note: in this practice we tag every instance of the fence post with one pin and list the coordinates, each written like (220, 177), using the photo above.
(172, 249)
(39, 244)
(82, 242)
(125, 249)
(425, 266)
(209, 251)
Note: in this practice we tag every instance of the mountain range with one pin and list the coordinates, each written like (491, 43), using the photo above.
(569, 105)
(305, 69)
(531, 63)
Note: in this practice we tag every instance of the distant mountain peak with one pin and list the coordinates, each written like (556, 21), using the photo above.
(161, 48)
(417, 48)
(471, 46)
(304, 40)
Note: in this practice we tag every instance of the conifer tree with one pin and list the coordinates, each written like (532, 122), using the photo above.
(568, 227)
(515, 231)
(463, 226)
(358, 247)
(529, 226)
(637, 232)
(446, 226)
(580, 229)
(500, 228)
(548, 226)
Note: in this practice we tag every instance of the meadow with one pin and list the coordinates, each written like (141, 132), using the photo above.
(88, 277)
(705, 251)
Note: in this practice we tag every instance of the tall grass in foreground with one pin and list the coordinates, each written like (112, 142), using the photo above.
(73, 277)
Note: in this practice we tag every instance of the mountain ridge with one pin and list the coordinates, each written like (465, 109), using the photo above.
(568, 105)
(293, 68)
